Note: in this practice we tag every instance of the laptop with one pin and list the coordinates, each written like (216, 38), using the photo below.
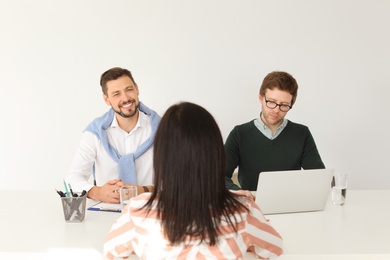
(293, 191)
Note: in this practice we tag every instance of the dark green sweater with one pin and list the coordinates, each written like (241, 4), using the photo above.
(246, 147)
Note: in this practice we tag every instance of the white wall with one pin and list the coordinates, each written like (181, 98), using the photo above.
(214, 53)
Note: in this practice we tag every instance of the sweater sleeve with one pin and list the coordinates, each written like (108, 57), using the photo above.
(232, 159)
(311, 158)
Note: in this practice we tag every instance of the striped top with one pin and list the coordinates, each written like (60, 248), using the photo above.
(135, 233)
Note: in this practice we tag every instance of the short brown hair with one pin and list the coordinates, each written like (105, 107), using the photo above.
(113, 74)
(281, 80)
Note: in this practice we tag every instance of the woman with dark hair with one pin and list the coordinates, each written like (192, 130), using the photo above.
(190, 214)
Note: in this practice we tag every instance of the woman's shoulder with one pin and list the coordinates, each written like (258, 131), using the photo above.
(140, 200)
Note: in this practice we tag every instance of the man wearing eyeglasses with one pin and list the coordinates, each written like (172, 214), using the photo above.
(270, 142)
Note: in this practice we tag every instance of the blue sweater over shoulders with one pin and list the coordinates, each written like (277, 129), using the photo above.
(246, 147)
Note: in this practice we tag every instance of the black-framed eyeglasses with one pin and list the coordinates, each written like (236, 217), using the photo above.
(272, 105)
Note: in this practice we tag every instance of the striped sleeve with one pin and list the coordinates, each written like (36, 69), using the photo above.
(121, 239)
(265, 241)
(118, 241)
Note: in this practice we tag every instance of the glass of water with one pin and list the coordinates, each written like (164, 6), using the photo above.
(339, 189)
(126, 193)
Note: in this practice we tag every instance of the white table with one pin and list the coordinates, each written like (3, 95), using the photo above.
(32, 226)
(358, 230)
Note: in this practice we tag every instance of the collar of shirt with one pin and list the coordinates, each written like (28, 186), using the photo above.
(142, 119)
(126, 143)
(266, 131)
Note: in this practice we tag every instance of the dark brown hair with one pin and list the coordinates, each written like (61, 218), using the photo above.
(113, 74)
(189, 164)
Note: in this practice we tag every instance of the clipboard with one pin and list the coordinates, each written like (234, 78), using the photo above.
(108, 207)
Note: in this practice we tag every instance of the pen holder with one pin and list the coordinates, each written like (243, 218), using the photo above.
(74, 208)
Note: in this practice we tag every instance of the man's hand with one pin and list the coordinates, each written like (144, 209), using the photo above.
(108, 193)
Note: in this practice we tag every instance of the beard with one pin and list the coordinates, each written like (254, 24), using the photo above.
(270, 121)
(126, 114)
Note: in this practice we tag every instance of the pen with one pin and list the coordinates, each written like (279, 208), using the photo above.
(110, 209)
(83, 193)
(60, 193)
(66, 189)
(71, 191)
(74, 214)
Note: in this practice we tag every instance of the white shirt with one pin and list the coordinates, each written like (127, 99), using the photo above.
(91, 151)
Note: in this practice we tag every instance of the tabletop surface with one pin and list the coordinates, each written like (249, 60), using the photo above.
(32, 225)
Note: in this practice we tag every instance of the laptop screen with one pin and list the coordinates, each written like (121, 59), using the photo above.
(293, 191)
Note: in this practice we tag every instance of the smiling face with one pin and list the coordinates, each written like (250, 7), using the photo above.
(122, 96)
(273, 117)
